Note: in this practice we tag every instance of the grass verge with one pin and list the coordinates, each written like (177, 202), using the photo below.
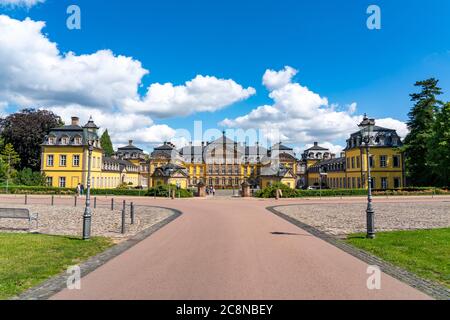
(423, 252)
(27, 260)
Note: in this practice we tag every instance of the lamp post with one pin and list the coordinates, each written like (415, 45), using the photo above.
(87, 217)
(367, 126)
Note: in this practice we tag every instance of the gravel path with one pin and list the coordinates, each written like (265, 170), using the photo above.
(342, 219)
(61, 220)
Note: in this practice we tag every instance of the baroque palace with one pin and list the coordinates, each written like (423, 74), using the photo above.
(223, 163)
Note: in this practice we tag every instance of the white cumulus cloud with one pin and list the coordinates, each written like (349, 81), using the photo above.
(35, 73)
(202, 94)
(302, 116)
(20, 3)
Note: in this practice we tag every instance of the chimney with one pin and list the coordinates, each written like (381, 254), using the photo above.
(75, 121)
(316, 144)
(130, 142)
(342, 154)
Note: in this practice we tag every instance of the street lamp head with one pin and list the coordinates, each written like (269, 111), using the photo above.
(91, 143)
(367, 126)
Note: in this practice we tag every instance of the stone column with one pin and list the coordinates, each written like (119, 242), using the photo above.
(201, 187)
(245, 190)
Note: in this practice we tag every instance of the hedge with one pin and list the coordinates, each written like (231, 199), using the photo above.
(163, 191)
(160, 191)
(270, 192)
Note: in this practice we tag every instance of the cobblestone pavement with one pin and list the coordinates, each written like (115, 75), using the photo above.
(65, 220)
(342, 219)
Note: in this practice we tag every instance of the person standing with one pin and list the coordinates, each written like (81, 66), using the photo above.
(82, 189)
(78, 190)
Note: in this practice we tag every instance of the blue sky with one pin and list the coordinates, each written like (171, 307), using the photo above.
(336, 55)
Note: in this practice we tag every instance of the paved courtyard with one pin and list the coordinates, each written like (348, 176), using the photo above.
(341, 219)
(66, 220)
(237, 249)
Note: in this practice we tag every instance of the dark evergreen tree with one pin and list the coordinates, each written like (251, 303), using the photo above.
(420, 124)
(26, 130)
(439, 147)
(106, 143)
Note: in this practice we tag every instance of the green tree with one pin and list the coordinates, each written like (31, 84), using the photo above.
(27, 177)
(106, 143)
(439, 147)
(3, 171)
(10, 159)
(26, 130)
(10, 156)
(421, 124)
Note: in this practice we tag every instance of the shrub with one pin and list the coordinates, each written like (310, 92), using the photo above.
(27, 177)
(270, 191)
(163, 191)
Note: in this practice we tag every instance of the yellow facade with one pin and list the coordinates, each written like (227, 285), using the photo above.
(66, 167)
(387, 170)
(64, 160)
(289, 181)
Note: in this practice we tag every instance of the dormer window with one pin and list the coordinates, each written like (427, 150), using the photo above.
(65, 140)
(395, 141)
(77, 141)
(52, 140)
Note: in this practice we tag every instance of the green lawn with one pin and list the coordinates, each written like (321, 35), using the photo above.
(424, 252)
(28, 259)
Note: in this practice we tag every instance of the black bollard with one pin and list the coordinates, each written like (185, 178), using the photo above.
(132, 213)
(112, 204)
(123, 222)
(124, 205)
(95, 202)
(53, 200)
(26, 199)
(75, 201)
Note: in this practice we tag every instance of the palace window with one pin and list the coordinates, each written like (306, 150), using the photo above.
(384, 183)
(396, 161)
(63, 160)
(371, 161)
(358, 162)
(49, 181)
(52, 140)
(50, 160)
(353, 162)
(383, 161)
(62, 182)
(397, 183)
(372, 183)
(76, 160)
